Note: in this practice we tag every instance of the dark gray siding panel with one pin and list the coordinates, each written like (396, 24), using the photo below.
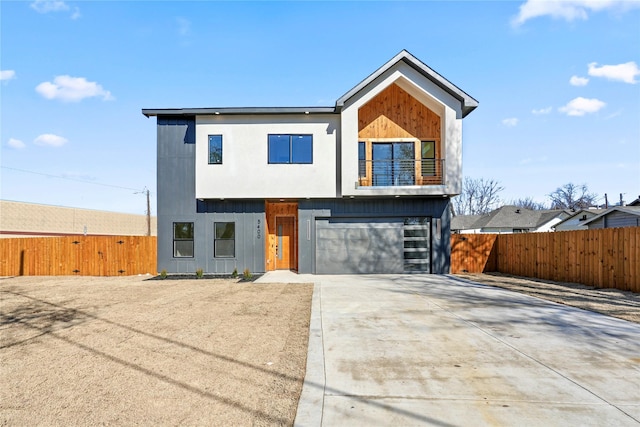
(176, 188)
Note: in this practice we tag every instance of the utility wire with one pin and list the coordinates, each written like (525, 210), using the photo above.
(73, 179)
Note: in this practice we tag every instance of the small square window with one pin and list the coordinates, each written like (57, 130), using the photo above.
(215, 149)
(224, 242)
(183, 240)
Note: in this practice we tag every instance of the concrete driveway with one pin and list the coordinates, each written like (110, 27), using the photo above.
(435, 350)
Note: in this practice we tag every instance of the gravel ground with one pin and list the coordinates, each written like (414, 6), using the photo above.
(130, 351)
(612, 302)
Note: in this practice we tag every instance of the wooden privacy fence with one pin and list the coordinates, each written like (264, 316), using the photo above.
(78, 255)
(605, 258)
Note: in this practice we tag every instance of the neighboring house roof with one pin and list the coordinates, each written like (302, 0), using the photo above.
(468, 103)
(633, 210)
(636, 202)
(586, 213)
(463, 222)
(515, 217)
(508, 217)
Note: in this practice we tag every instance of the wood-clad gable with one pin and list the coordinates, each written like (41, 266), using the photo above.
(394, 113)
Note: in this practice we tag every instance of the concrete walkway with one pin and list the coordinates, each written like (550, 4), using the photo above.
(435, 350)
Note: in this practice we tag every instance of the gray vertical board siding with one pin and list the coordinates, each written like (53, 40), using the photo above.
(436, 208)
(249, 218)
(621, 219)
(176, 187)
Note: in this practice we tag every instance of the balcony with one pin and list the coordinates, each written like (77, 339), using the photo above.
(400, 172)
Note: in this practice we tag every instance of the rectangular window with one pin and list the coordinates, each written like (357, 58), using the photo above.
(362, 159)
(291, 149)
(393, 163)
(183, 240)
(428, 160)
(224, 242)
(215, 149)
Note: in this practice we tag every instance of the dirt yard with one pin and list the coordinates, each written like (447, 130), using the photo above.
(131, 351)
(612, 302)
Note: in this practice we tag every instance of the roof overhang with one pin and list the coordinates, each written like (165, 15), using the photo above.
(153, 112)
(468, 103)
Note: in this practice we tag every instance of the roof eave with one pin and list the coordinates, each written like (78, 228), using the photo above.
(467, 102)
(152, 112)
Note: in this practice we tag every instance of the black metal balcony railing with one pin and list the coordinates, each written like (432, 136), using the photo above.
(393, 173)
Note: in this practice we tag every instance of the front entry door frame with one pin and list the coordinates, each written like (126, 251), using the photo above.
(276, 213)
(286, 243)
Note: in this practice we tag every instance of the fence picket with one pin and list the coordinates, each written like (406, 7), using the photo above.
(601, 258)
(90, 256)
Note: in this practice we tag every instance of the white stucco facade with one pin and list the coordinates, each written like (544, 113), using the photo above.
(437, 100)
(245, 171)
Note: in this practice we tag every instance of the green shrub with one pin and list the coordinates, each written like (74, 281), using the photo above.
(199, 273)
(246, 274)
(235, 273)
(163, 274)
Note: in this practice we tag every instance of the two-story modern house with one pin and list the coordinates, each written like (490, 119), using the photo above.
(363, 186)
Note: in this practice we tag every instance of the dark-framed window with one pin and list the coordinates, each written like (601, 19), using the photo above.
(183, 240)
(224, 241)
(215, 149)
(362, 159)
(393, 163)
(290, 148)
(428, 157)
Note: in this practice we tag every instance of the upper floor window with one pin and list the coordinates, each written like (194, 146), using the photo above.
(183, 240)
(215, 149)
(291, 149)
(403, 162)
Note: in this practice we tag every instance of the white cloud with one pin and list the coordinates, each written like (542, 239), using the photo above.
(7, 75)
(578, 81)
(581, 106)
(569, 10)
(51, 140)
(45, 6)
(76, 14)
(542, 111)
(510, 122)
(184, 26)
(16, 143)
(72, 89)
(626, 72)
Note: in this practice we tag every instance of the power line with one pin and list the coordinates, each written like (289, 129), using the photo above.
(72, 179)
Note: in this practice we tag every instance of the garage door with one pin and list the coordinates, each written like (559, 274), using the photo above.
(364, 245)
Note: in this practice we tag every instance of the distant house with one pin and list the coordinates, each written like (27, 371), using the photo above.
(508, 219)
(636, 202)
(577, 221)
(617, 216)
(20, 219)
(464, 224)
(362, 186)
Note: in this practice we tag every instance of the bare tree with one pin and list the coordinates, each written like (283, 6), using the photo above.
(528, 203)
(572, 196)
(478, 196)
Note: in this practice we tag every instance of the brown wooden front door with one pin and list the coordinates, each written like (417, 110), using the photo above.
(285, 243)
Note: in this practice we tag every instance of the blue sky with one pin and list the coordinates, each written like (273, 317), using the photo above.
(558, 84)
